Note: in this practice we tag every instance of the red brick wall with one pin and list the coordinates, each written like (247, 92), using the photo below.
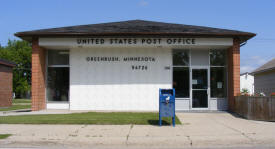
(233, 72)
(38, 76)
(5, 86)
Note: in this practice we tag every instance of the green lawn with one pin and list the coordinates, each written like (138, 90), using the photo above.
(16, 107)
(4, 136)
(18, 104)
(17, 101)
(111, 118)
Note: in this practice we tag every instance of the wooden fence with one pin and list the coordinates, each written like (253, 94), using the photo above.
(255, 108)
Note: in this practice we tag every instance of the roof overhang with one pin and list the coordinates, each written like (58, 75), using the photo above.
(262, 71)
(7, 63)
(136, 28)
(28, 36)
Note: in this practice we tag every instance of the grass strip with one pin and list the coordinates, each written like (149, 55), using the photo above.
(4, 136)
(14, 101)
(16, 107)
(98, 118)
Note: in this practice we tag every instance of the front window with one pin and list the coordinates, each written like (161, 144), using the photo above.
(217, 57)
(180, 58)
(181, 81)
(218, 75)
(181, 73)
(58, 75)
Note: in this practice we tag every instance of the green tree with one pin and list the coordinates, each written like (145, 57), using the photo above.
(19, 52)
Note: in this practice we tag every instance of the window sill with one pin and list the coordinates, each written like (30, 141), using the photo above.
(182, 98)
(58, 102)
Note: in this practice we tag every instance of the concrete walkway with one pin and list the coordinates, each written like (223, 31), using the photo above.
(198, 130)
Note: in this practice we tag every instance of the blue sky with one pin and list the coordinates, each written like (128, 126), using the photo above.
(245, 15)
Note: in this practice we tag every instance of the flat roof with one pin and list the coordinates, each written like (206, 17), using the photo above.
(135, 28)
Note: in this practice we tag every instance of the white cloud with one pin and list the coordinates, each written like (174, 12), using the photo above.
(258, 60)
(248, 64)
(143, 3)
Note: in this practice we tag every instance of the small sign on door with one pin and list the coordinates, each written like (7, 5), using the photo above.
(194, 81)
(219, 84)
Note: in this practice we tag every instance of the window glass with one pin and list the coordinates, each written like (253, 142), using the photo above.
(199, 99)
(199, 79)
(58, 83)
(181, 81)
(180, 58)
(58, 57)
(218, 82)
(217, 57)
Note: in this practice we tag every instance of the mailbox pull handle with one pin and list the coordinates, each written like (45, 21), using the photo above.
(167, 99)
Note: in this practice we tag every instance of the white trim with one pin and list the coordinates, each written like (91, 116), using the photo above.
(218, 66)
(182, 98)
(46, 77)
(217, 98)
(58, 65)
(190, 81)
(181, 66)
(69, 90)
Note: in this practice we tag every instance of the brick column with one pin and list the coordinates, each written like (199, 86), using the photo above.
(233, 73)
(38, 76)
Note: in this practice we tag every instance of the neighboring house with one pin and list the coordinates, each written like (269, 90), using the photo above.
(247, 82)
(264, 78)
(6, 83)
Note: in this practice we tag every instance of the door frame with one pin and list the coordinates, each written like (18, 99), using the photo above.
(208, 87)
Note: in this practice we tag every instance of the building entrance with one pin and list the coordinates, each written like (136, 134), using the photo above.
(199, 88)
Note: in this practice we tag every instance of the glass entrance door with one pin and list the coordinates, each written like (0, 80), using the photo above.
(199, 88)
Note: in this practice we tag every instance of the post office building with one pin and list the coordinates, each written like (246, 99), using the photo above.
(120, 66)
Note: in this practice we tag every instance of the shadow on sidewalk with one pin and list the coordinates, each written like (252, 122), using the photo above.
(236, 115)
(156, 122)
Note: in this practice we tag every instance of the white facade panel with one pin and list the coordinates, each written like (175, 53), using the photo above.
(115, 85)
(199, 57)
(182, 104)
(64, 106)
(218, 104)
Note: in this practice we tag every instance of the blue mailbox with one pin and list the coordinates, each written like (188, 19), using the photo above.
(167, 104)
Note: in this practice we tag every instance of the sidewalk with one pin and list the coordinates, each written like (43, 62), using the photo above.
(198, 130)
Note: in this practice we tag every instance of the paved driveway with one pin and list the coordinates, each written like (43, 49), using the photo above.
(198, 130)
(224, 128)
